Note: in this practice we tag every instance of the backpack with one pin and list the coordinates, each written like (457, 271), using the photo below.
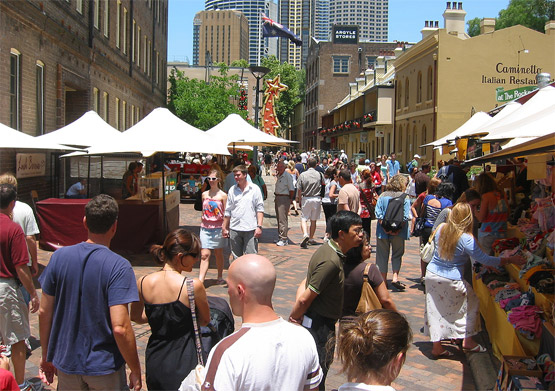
(394, 218)
(221, 324)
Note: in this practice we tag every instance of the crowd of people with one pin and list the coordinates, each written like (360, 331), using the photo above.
(85, 327)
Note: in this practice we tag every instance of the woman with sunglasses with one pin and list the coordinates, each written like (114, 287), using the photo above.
(164, 303)
(213, 207)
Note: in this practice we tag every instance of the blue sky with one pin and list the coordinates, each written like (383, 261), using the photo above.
(406, 19)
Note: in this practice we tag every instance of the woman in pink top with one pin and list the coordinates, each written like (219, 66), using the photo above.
(213, 206)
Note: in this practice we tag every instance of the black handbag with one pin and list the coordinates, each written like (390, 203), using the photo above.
(322, 187)
(198, 200)
(419, 224)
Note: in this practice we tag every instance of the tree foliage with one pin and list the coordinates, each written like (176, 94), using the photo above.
(202, 104)
(473, 27)
(294, 80)
(530, 13)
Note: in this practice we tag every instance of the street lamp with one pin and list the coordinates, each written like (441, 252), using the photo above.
(258, 72)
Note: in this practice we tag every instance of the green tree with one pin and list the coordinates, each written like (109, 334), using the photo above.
(201, 104)
(473, 27)
(294, 80)
(530, 13)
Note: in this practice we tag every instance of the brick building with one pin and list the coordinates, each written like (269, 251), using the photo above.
(59, 59)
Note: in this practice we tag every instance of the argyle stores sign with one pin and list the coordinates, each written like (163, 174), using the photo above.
(29, 165)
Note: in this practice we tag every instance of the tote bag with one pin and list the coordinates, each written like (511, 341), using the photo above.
(368, 300)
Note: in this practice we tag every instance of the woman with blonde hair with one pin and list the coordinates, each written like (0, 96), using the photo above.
(372, 349)
(165, 303)
(213, 207)
(451, 305)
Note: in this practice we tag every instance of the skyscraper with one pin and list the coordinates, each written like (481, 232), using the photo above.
(258, 46)
(370, 15)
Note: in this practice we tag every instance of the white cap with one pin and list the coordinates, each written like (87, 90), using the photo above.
(342, 151)
(417, 156)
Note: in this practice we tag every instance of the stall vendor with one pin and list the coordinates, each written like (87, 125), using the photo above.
(77, 190)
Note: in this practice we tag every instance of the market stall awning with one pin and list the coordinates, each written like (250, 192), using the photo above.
(11, 138)
(85, 131)
(537, 145)
(466, 129)
(161, 131)
(538, 125)
(235, 130)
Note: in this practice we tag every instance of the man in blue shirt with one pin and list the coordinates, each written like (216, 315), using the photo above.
(85, 330)
(393, 166)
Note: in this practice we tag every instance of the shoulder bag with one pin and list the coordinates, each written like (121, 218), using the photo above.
(420, 221)
(368, 300)
(370, 205)
(195, 378)
(427, 251)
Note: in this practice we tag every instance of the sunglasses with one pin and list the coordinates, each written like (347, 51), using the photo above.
(212, 178)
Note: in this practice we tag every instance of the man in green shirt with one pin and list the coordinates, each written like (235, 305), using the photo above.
(319, 306)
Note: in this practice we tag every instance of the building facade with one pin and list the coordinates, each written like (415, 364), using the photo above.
(221, 36)
(60, 59)
(258, 47)
(370, 15)
(329, 69)
(446, 77)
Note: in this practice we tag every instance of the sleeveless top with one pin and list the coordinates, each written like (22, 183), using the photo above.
(212, 213)
(171, 351)
(431, 211)
(495, 223)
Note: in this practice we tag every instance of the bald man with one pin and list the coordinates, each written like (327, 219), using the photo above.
(266, 353)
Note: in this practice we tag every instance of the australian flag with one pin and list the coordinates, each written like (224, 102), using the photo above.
(274, 29)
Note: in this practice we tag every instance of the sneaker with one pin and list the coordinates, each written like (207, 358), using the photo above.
(312, 242)
(282, 243)
(6, 350)
(304, 243)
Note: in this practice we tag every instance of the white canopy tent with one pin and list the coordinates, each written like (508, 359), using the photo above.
(11, 138)
(538, 125)
(235, 130)
(88, 130)
(161, 131)
(465, 129)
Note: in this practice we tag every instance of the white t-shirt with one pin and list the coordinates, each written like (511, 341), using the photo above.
(275, 355)
(363, 387)
(304, 157)
(23, 215)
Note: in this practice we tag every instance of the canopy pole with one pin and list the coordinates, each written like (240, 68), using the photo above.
(165, 228)
(102, 174)
(89, 179)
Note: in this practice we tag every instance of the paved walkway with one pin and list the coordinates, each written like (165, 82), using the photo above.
(420, 372)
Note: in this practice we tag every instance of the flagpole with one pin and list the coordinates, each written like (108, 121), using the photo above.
(259, 37)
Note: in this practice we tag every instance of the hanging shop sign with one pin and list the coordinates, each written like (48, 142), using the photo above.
(364, 137)
(29, 165)
(379, 132)
(505, 96)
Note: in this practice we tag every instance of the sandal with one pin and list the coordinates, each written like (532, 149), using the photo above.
(399, 285)
(476, 349)
(445, 354)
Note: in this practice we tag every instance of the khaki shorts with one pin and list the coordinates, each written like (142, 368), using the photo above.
(14, 314)
(310, 208)
(112, 381)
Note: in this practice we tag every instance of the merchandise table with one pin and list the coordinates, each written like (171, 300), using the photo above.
(140, 224)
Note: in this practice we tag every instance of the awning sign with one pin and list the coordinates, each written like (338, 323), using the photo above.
(506, 96)
(29, 165)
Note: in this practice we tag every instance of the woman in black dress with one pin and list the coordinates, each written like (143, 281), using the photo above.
(164, 303)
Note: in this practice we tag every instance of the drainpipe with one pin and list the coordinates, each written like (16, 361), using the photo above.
(434, 103)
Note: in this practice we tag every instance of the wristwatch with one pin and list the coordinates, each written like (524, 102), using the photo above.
(259, 226)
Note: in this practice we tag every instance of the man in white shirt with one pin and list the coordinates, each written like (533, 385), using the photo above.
(284, 193)
(267, 353)
(77, 190)
(244, 214)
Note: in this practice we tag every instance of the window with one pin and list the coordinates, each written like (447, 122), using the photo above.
(145, 54)
(79, 6)
(96, 14)
(407, 92)
(149, 58)
(133, 40)
(419, 88)
(124, 31)
(96, 99)
(118, 23)
(430, 84)
(15, 89)
(40, 97)
(340, 64)
(157, 68)
(137, 113)
(399, 94)
(423, 141)
(132, 122)
(123, 115)
(116, 114)
(138, 46)
(106, 18)
(105, 106)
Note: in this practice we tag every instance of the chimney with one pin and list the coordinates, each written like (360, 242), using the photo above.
(487, 25)
(360, 82)
(368, 75)
(550, 28)
(454, 19)
(429, 28)
(380, 69)
(352, 89)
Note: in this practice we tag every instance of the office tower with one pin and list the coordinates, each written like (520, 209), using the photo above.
(258, 47)
(220, 36)
(370, 15)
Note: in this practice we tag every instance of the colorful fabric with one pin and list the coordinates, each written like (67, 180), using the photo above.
(495, 222)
